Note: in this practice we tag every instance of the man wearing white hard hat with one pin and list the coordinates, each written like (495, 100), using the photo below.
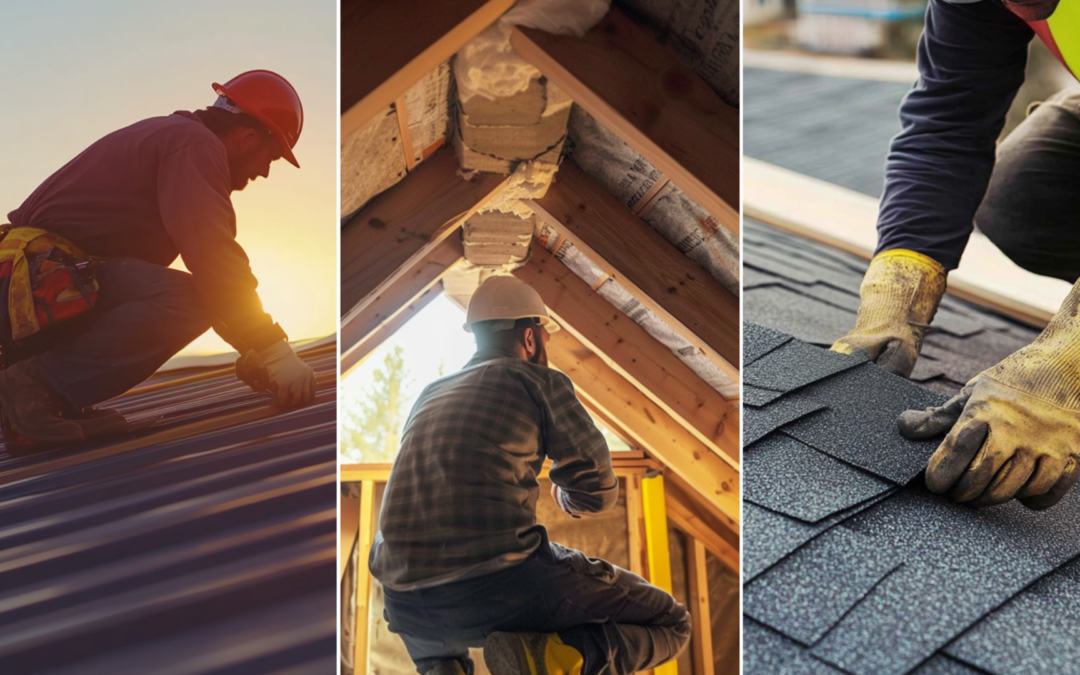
(88, 304)
(463, 561)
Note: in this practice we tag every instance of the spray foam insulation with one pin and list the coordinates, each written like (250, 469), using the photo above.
(702, 34)
(494, 239)
(496, 135)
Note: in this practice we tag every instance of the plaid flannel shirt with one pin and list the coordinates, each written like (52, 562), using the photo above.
(461, 498)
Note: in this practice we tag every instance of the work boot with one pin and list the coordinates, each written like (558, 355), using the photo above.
(531, 654)
(447, 667)
(97, 422)
(31, 406)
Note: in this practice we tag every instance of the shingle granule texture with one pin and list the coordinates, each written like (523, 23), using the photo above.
(788, 476)
(759, 341)
(808, 592)
(795, 365)
(768, 536)
(760, 422)
(961, 563)
(758, 397)
(766, 652)
(859, 425)
(1038, 631)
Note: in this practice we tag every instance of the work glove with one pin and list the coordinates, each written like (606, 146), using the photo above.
(898, 298)
(278, 371)
(1015, 428)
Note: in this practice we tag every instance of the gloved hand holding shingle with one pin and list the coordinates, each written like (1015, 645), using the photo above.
(897, 300)
(1015, 428)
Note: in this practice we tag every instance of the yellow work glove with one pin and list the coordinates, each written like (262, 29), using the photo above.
(1015, 428)
(898, 298)
(277, 370)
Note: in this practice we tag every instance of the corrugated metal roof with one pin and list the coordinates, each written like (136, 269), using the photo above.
(204, 542)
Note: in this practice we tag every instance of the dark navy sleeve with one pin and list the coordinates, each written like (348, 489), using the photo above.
(971, 62)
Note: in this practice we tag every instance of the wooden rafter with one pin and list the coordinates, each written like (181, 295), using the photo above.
(652, 429)
(647, 265)
(349, 525)
(702, 520)
(633, 353)
(398, 296)
(370, 342)
(698, 576)
(404, 224)
(626, 79)
(388, 45)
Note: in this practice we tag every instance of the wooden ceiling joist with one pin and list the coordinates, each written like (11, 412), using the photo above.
(404, 224)
(395, 297)
(651, 429)
(626, 79)
(694, 304)
(388, 45)
(359, 352)
(634, 354)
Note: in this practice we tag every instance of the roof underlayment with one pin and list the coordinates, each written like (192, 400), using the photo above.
(203, 542)
(850, 564)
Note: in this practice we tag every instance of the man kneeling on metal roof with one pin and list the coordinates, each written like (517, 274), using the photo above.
(460, 554)
(1014, 430)
(89, 251)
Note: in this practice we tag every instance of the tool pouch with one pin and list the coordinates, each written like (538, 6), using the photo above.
(45, 281)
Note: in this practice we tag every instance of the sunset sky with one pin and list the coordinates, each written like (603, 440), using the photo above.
(75, 71)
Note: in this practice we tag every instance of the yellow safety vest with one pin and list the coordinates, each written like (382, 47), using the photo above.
(1061, 34)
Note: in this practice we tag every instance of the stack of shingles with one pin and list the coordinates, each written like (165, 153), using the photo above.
(851, 566)
(811, 291)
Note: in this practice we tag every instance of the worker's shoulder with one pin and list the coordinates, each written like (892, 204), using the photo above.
(172, 132)
(526, 371)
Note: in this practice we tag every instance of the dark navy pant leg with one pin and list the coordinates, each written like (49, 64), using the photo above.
(617, 620)
(1031, 210)
(145, 314)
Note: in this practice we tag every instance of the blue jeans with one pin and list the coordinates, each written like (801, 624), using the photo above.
(144, 315)
(618, 621)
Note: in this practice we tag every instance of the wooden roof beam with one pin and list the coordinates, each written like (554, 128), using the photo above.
(400, 228)
(359, 351)
(388, 45)
(652, 429)
(637, 356)
(694, 304)
(626, 79)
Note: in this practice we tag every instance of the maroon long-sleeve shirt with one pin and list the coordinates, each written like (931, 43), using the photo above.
(155, 190)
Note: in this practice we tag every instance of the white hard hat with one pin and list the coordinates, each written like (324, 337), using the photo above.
(507, 298)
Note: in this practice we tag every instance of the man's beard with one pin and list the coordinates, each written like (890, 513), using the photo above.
(540, 356)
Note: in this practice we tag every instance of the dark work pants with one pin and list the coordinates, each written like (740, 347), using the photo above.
(618, 621)
(1031, 210)
(145, 313)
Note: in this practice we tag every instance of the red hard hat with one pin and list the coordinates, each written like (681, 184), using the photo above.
(269, 98)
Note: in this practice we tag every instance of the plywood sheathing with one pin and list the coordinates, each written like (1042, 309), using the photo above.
(371, 160)
(497, 135)
(702, 34)
(644, 190)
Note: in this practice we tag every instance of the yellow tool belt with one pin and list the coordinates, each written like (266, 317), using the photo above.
(48, 279)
